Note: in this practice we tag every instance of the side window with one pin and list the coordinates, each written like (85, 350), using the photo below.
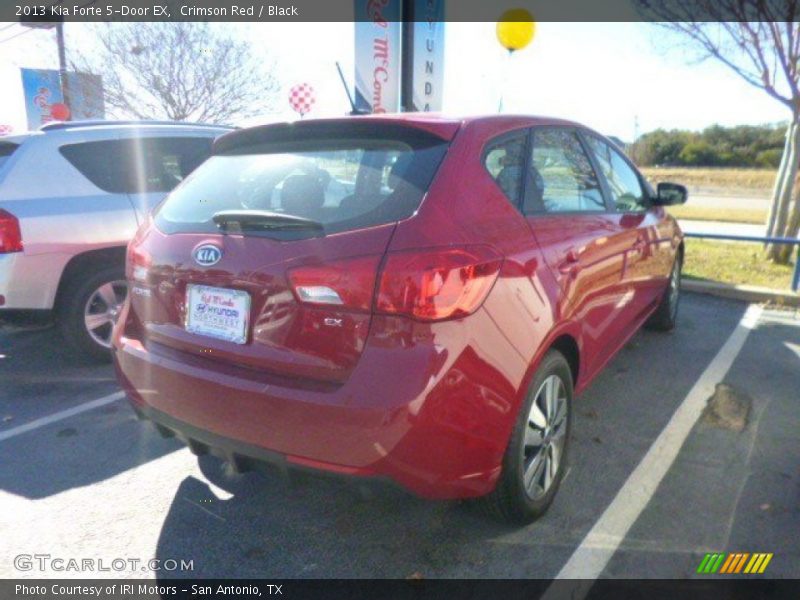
(137, 165)
(626, 188)
(505, 162)
(562, 178)
(100, 163)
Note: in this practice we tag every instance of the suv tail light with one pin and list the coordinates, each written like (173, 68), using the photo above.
(138, 260)
(428, 285)
(138, 263)
(10, 233)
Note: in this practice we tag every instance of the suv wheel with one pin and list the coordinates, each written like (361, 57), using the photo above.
(90, 309)
(535, 460)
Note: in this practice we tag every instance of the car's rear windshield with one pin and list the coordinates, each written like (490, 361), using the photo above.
(342, 184)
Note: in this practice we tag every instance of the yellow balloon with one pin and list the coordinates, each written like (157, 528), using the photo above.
(516, 29)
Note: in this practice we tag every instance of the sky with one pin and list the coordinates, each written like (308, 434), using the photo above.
(618, 78)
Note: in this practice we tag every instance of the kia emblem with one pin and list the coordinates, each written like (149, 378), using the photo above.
(207, 255)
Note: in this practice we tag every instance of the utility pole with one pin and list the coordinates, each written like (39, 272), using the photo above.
(62, 64)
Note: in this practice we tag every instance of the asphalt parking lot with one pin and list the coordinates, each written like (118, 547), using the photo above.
(100, 484)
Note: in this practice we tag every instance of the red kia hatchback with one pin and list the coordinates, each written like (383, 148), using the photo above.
(405, 297)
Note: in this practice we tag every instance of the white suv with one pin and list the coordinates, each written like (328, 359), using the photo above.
(71, 197)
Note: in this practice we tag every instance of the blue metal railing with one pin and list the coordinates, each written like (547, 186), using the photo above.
(762, 240)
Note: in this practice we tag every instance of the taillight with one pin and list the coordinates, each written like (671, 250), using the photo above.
(437, 284)
(138, 260)
(139, 263)
(347, 283)
(428, 285)
(10, 233)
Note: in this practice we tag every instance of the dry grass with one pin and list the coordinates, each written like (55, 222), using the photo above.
(736, 181)
(739, 263)
(728, 215)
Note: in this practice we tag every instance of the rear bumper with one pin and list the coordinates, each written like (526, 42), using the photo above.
(440, 431)
(245, 458)
(30, 281)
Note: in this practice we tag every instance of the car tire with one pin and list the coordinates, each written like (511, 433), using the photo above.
(83, 297)
(665, 316)
(524, 492)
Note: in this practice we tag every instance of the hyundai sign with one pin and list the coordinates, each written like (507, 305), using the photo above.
(423, 71)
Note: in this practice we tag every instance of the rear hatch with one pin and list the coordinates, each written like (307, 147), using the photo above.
(266, 257)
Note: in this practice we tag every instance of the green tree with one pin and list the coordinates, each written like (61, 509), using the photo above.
(699, 152)
(716, 145)
(770, 158)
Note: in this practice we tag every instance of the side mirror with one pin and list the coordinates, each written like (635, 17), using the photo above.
(670, 194)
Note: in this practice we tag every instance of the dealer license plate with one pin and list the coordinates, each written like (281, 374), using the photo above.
(217, 312)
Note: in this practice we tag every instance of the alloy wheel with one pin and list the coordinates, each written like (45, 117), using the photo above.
(545, 437)
(674, 289)
(102, 310)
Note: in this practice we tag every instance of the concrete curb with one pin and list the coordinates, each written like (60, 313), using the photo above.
(746, 293)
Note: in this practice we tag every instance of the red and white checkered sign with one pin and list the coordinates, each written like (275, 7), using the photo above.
(302, 98)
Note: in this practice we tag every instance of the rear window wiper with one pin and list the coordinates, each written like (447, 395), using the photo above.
(263, 220)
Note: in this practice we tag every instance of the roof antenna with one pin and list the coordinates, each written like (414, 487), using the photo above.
(354, 110)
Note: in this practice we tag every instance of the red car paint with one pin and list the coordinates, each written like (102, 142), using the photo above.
(428, 404)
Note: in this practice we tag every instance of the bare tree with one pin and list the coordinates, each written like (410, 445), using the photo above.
(180, 72)
(759, 40)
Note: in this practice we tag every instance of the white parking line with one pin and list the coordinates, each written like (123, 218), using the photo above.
(599, 545)
(61, 415)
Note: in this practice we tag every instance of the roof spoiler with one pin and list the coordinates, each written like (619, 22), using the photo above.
(421, 133)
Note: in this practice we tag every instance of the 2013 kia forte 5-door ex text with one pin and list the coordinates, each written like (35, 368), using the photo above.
(411, 298)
